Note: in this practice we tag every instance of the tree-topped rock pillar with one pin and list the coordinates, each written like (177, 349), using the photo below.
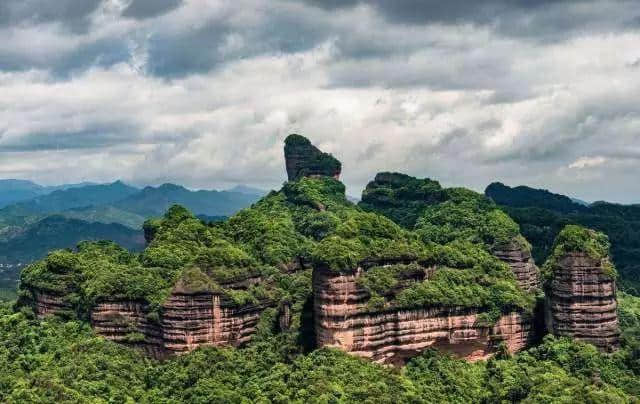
(581, 290)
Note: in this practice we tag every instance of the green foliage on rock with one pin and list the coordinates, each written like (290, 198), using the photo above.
(578, 239)
(542, 215)
(309, 221)
(461, 275)
(469, 216)
(401, 197)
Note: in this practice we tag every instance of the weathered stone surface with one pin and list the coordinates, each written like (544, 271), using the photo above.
(46, 303)
(521, 263)
(581, 302)
(303, 159)
(125, 322)
(185, 322)
(344, 321)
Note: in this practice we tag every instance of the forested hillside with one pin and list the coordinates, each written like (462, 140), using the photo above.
(64, 362)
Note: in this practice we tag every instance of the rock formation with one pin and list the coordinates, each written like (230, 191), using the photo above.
(415, 266)
(305, 160)
(581, 291)
(344, 321)
(521, 263)
(185, 322)
(581, 302)
(401, 197)
(46, 303)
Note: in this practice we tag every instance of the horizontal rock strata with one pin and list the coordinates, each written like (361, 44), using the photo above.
(185, 322)
(344, 321)
(521, 263)
(47, 303)
(581, 302)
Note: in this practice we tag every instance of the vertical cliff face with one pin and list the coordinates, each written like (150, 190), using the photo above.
(303, 159)
(185, 322)
(581, 301)
(521, 263)
(47, 303)
(344, 320)
(129, 323)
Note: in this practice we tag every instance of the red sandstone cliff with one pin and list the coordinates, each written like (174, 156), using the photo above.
(581, 302)
(521, 263)
(185, 322)
(344, 321)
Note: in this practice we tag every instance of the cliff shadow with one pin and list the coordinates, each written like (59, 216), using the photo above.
(307, 335)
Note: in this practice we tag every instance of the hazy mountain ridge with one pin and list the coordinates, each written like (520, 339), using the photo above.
(114, 211)
(13, 191)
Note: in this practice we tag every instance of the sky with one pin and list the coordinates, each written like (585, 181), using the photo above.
(203, 92)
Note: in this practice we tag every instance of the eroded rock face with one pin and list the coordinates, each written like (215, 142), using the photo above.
(186, 322)
(344, 321)
(129, 323)
(581, 302)
(46, 303)
(521, 263)
(303, 159)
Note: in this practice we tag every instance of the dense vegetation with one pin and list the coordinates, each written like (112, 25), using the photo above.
(64, 362)
(309, 221)
(575, 238)
(57, 232)
(522, 197)
(440, 215)
(400, 197)
(541, 220)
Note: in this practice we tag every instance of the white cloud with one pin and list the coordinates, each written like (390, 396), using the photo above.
(588, 162)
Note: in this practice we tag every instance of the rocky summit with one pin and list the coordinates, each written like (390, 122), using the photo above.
(303, 159)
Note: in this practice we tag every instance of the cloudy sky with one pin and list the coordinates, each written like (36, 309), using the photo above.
(203, 92)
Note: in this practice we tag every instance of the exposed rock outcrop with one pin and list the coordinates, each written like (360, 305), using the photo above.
(130, 323)
(581, 301)
(344, 321)
(185, 322)
(521, 263)
(46, 303)
(303, 159)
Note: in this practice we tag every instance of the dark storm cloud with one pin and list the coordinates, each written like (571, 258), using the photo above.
(219, 41)
(97, 137)
(149, 8)
(103, 52)
(71, 13)
(535, 19)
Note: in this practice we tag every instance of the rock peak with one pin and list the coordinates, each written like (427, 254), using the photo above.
(303, 159)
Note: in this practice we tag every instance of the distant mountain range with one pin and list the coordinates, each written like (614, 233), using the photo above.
(12, 191)
(35, 219)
